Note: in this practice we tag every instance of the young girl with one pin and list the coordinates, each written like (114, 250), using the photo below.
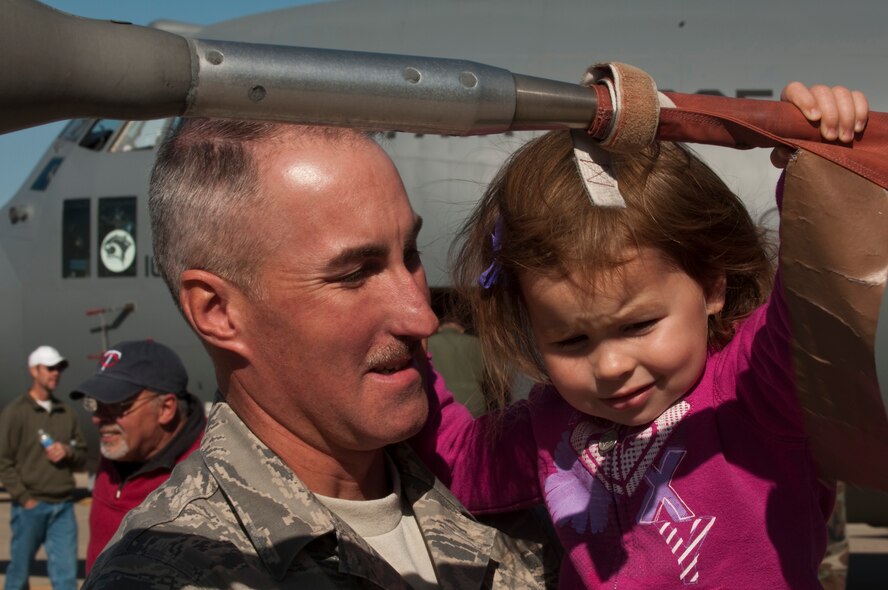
(666, 440)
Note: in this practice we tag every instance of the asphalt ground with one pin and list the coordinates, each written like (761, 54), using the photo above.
(868, 568)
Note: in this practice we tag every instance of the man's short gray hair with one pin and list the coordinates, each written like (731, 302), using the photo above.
(205, 198)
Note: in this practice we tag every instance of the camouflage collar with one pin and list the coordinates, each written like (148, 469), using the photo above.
(278, 513)
(282, 517)
(461, 548)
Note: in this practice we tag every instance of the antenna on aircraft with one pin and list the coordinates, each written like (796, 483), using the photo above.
(104, 327)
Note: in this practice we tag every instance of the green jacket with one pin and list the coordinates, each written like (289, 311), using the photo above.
(233, 515)
(457, 356)
(25, 471)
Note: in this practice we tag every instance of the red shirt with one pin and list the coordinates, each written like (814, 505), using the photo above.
(114, 496)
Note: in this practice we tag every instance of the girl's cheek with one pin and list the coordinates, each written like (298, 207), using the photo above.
(570, 378)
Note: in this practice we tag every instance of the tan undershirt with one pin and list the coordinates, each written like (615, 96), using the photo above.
(391, 529)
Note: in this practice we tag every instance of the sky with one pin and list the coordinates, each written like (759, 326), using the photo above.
(21, 150)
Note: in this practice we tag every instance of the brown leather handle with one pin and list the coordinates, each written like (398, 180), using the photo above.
(747, 123)
(733, 122)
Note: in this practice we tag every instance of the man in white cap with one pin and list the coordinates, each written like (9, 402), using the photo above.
(41, 445)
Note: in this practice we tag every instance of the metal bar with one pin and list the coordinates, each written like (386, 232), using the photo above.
(60, 66)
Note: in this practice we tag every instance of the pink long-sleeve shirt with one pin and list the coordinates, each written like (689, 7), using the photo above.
(719, 492)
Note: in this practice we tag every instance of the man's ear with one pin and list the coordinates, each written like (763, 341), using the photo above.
(169, 406)
(215, 309)
(715, 295)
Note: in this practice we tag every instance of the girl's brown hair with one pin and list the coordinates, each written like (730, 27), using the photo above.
(674, 203)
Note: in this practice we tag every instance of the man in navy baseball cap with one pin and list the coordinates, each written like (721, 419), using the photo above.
(147, 422)
(129, 367)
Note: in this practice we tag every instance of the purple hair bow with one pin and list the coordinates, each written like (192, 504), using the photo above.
(491, 276)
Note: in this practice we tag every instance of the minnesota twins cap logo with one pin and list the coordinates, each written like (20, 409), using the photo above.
(110, 358)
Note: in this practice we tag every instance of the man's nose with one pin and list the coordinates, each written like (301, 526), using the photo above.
(411, 308)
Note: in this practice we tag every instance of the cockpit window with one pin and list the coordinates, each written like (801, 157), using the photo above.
(117, 237)
(99, 134)
(75, 238)
(140, 135)
(74, 129)
(41, 183)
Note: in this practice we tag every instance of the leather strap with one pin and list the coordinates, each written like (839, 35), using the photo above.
(746, 123)
(629, 118)
(635, 107)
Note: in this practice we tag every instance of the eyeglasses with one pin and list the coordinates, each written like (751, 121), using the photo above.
(116, 411)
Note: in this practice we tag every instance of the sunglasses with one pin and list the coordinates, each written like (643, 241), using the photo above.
(118, 410)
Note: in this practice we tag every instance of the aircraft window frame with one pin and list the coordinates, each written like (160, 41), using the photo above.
(76, 225)
(117, 237)
(133, 133)
(100, 134)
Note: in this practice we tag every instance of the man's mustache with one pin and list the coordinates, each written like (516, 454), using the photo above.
(392, 353)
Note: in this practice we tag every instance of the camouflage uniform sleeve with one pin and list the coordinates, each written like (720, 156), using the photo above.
(528, 537)
(136, 572)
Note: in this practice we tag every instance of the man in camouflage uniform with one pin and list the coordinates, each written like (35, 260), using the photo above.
(292, 253)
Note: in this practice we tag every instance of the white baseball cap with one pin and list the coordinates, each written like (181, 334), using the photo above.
(46, 356)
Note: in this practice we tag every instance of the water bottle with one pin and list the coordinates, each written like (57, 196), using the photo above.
(44, 438)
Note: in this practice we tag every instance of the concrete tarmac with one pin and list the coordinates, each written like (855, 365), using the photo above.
(868, 569)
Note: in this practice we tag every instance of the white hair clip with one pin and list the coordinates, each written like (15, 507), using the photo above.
(594, 168)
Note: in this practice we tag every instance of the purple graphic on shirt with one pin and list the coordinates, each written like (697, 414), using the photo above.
(574, 496)
(661, 495)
